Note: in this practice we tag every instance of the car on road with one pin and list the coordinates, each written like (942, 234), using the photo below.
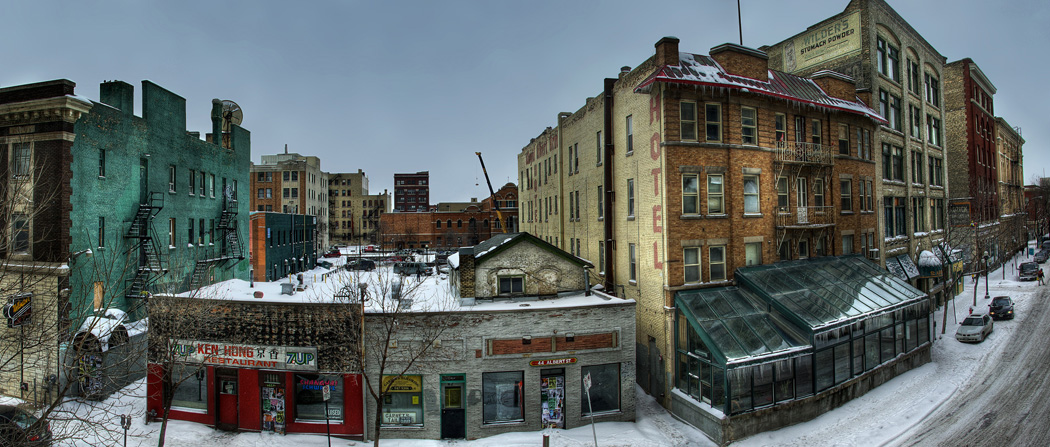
(370, 248)
(975, 328)
(1028, 271)
(20, 428)
(361, 264)
(325, 264)
(335, 253)
(1002, 308)
(1041, 256)
(1046, 245)
(411, 268)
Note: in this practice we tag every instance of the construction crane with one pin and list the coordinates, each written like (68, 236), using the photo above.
(492, 194)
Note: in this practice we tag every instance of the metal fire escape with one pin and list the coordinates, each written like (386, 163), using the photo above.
(141, 230)
(797, 216)
(230, 247)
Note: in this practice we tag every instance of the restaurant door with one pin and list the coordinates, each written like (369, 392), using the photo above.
(228, 411)
(453, 415)
(272, 394)
(552, 397)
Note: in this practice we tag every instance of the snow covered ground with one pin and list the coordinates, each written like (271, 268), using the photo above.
(880, 417)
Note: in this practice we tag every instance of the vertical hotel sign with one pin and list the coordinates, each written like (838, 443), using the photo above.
(834, 39)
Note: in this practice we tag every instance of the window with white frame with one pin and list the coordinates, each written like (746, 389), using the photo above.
(630, 197)
(19, 233)
(818, 193)
(751, 198)
(630, 135)
(713, 122)
(780, 127)
(782, 194)
(598, 149)
(690, 194)
(753, 253)
(846, 194)
(193, 181)
(748, 126)
(716, 257)
(687, 119)
(847, 244)
(691, 261)
(632, 263)
(715, 194)
(171, 178)
(601, 203)
(816, 132)
(844, 139)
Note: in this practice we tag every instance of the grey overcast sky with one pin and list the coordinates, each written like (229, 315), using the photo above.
(405, 86)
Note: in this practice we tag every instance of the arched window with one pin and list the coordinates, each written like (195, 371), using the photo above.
(485, 223)
(449, 223)
(459, 223)
(437, 224)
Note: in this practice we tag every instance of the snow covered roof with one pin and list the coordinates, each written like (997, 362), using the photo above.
(500, 242)
(695, 69)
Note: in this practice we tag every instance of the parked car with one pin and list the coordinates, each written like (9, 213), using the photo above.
(370, 248)
(1042, 256)
(325, 264)
(395, 259)
(975, 328)
(334, 253)
(1002, 308)
(411, 268)
(1046, 245)
(361, 264)
(20, 428)
(1028, 271)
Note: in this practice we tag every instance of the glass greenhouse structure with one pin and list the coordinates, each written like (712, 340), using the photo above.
(793, 329)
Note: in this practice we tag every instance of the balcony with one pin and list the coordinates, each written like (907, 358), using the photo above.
(803, 153)
(806, 217)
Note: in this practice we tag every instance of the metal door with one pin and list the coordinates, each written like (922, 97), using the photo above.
(453, 413)
(228, 411)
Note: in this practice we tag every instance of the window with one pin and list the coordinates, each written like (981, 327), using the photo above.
(189, 239)
(753, 253)
(816, 132)
(895, 113)
(579, 252)
(748, 129)
(295, 192)
(818, 194)
(598, 149)
(933, 90)
(803, 248)
(203, 183)
(604, 394)
(192, 386)
(295, 176)
(846, 194)
(211, 186)
(717, 258)
(893, 214)
(715, 198)
(691, 194)
(936, 214)
(800, 129)
(459, 223)
(287, 193)
(576, 159)
(936, 171)
(692, 265)
(780, 126)
(437, 224)
(892, 162)
(309, 402)
(286, 175)
(844, 139)
(933, 130)
(193, 181)
(751, 203)
(101, 232)
(19, 233)
(171, 232)
(630, 135)
(871, 195)
(269, 193)
(403, 404)
(913, 77)
(171, 178)
(512, 285)
(632, 265)
(916, 167)
(601, 257)
(847, 244)
(894, 58)
(687, 115)
(578, 215)
(782, 194)
(918, 217)
(101, 162)
(914, 121)
(503, 397)
(572, 212)
(601, 203)
(21, 159)
(630, 197)
(713, 119)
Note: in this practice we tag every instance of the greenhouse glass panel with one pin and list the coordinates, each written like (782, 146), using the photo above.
(898, 341)
(763, 384)
(804, 376)
(747, 338)
(723, 339)
(858, 355)
(842, 357)
(740, 390)
(718, 390)
(785, 380)
(911, 337)
(887, 344)
(871, 351)
(825, 363)
(924, 329)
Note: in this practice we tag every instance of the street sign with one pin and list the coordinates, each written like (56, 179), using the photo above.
(326, 393)
(587, 382)
(19, 309)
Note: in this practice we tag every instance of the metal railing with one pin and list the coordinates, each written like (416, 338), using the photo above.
(806, 216)
(809, 153)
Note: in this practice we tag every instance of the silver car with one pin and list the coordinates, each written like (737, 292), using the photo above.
(975, 328)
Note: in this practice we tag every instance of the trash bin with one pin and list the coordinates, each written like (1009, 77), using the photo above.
(287, 288)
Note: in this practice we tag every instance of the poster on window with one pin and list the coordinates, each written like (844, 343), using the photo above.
(552, 398)
(273, 408)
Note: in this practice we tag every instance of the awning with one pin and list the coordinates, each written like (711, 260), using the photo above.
(930, 265)
(903, 267)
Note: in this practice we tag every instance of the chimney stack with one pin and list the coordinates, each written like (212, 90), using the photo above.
(216, 121)
(742, 61)
(118, 94)
(667, 51)
(836, 85)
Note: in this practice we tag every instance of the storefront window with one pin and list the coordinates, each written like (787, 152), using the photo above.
(309, 396)
(403, 403)
(503, 398)
(192, 389)
(605, 388)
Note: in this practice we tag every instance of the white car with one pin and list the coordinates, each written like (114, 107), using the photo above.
(975, 328)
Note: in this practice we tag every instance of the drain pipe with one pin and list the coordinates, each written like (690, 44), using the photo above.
(607, 177)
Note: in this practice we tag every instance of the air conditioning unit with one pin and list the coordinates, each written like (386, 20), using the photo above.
(873, 254)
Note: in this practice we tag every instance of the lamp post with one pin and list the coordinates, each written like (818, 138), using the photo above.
(985, 274)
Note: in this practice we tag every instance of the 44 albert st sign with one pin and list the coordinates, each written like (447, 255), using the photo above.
(290, 358)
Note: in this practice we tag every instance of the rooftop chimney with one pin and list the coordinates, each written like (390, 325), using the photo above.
(667, 51)
(836, 85)
(742, 61)
(118, 94)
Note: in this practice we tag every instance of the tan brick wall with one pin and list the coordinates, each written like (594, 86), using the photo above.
(40, 358)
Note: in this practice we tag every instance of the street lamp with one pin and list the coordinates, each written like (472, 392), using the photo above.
(985, 274)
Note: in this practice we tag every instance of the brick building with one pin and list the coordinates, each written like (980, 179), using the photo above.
(281, 244)
(1009, 149)
(451, 225)
(970, 129)
(292, 183)
(901, 75)
(412, 192)
(118, 207)
(353, 213)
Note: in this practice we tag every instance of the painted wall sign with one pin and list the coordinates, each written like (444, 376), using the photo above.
(837, 38)
(290, 358)
(549, 362)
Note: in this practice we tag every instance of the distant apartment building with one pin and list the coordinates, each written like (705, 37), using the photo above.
(972, 149)
(453, 224)
(412, 192)
(353, 213)
(281, 244)
(900, 75)
(1010, 144)
(292, 183)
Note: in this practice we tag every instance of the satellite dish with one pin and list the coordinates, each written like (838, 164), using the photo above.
(231, 114)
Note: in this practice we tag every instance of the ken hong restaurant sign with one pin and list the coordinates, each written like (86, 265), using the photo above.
(237, 355)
